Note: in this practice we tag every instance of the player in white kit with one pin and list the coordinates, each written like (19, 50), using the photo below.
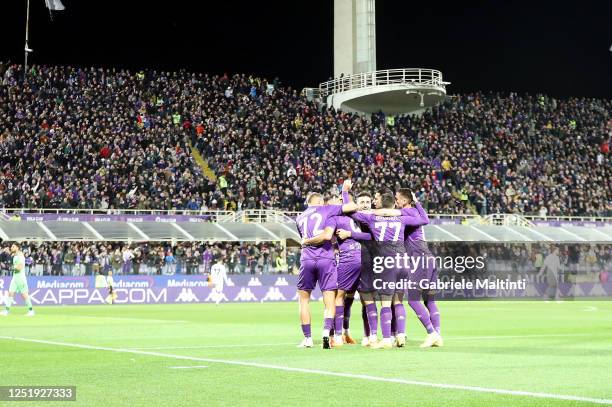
(218, 274)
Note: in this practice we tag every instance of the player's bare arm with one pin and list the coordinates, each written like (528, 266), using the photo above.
(321, 238)
(349, 207)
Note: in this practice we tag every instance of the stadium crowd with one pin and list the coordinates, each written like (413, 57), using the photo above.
(89, 258)
(109, 138)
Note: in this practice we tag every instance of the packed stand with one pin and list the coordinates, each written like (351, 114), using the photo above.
(108, 138)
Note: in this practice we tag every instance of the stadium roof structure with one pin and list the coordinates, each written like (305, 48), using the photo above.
(269, 225)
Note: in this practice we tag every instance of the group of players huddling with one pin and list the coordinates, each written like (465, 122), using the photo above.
(332, 229)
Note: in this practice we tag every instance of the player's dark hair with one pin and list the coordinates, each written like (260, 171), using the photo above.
(406, 193)
(385, 191)
(331, 197)
(364, 193)
(387, 200)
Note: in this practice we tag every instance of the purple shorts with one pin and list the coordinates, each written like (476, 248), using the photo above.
(349, 269)
(383, 279)
(403, 276)
(366, 281)
(322, 271)
(424, 273)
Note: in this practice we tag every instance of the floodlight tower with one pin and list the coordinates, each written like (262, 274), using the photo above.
(357, 85)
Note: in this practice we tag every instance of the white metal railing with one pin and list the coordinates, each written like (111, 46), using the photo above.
(311, 94)
(406, 76)
(569, 218)
(215, 215)
(273, 215)
(506, 219)
(187, 212)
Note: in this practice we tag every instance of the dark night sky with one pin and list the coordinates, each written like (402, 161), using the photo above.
(557, 47)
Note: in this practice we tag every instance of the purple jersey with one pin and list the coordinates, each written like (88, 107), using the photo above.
(346, 223)
(415, 232)
(311, 223)
(388, 228)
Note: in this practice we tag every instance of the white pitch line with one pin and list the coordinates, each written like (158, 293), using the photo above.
(326, 372)
(452, 338)
(125, 319)
(187, 367)
(254, 345)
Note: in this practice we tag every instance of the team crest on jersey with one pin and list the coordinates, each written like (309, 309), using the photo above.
(245, 294)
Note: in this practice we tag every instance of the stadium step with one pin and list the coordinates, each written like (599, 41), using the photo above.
(203, 164)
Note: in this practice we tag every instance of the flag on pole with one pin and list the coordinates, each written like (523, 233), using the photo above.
(54, 5)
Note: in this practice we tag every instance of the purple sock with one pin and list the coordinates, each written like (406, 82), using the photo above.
(372, 318)
(422, 313)
(400, 318)
(393, 322)
(339, 319)
(366, 324)
(434, 313)
(348, 303)
(328, 324)
(385, 321)
(306, 330)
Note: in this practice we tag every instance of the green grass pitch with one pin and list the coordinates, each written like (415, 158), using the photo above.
(561, 349)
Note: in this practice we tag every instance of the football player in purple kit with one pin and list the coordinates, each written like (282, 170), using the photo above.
(349, 266)
(317, 262)
(367, 292)
(416, 244)
(414, 237)
(388, 229)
